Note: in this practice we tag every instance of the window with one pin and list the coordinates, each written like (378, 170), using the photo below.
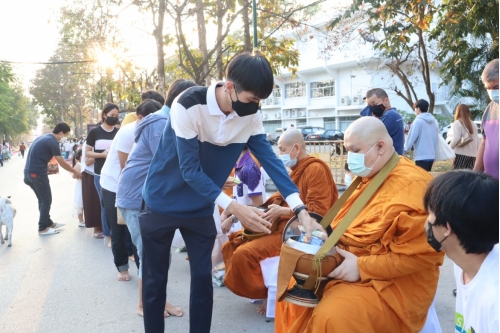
(323, 89)
(345, 122)
(274, 98)
(295, 89)
(329, 123)
(276, 91)
(301, 122)
(271, 125)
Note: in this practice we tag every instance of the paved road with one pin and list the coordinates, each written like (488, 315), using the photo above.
(67, 282)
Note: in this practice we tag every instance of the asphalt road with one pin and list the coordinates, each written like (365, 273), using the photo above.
(67, 282)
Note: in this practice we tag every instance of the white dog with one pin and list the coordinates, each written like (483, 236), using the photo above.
(7, 213)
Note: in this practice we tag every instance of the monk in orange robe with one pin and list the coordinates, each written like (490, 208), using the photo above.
(318, 191)
(389, 274)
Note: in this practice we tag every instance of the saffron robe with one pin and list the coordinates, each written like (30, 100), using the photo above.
(318, 191)
(399, 270)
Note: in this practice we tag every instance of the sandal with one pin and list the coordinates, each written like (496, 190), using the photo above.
(49, 232)
(99, 235)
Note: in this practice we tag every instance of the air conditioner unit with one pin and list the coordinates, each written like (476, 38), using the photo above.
(358, 99)
(287, 113)
(264, 116)
(294, 113)
(277, 115)
(302, 114)
(346, 100)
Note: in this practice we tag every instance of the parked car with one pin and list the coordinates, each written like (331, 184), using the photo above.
(306, 130)
(325, 135)
(274, 137)
(445, 130)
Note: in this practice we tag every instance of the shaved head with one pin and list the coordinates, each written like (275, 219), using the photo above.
(291, 137)
(292, 142)
(369, 130)
(369, 136)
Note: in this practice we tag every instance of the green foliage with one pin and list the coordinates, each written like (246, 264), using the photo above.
(407, 117)
(467, 36)
(17, 115)
(443, 120)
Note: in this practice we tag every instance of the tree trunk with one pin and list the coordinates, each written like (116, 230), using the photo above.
(220, 18)
(202, 39)
(246, 27)
(158, 34)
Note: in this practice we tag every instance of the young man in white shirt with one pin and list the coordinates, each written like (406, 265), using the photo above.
(463, 221)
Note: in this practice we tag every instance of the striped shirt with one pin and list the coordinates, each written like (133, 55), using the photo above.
(199, 147)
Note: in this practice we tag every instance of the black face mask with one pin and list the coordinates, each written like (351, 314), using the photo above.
(243, 109)
(377, 110)
(433, 242)
(111, 121)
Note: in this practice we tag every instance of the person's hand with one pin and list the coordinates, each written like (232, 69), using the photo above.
(104, 154)
(249, 217)
(77, 174)
(229, 184)
(348, 270)
(274, 212)
(309, 224)
(226, 225)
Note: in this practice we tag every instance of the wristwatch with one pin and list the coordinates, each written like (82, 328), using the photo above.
(298, 209)
(235, 219)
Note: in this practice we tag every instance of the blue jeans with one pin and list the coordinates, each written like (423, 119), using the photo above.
(105, 228)
(41, 186)
(131, 217)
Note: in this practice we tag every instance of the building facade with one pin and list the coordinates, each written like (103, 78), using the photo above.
(328, 91)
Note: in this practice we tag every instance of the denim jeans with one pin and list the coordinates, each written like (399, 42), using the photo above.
(105, 229)
(41, 186)
(120, 232)
(131, 217)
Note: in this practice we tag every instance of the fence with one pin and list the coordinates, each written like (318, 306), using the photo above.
(332, 153)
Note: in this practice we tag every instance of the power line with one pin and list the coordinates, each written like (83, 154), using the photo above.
(48, 63)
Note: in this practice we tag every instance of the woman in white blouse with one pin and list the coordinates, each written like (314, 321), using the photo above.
(462, 129)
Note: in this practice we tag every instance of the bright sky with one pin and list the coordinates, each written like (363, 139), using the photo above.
(29, 33)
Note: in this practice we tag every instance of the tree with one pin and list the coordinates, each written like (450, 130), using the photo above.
(399, 31)
(17, 115)
(467, 37)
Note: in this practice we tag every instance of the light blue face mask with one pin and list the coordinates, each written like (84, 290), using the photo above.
(356, 163)
(287, 161)
(493, 93)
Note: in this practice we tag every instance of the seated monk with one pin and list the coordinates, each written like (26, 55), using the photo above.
(389, 274)
(245, 259)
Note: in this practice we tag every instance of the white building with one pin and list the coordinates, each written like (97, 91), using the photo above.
(329, 92)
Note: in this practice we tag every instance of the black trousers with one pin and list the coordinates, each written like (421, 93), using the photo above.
(121, 235)
(426, 165)
(22, 153)
(157, 231)
(41, 186)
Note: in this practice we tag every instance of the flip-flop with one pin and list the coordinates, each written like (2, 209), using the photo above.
(49, 232)
(99, 235)
(57, 225)
(81, 225)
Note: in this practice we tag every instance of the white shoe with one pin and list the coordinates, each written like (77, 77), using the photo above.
(81, 224)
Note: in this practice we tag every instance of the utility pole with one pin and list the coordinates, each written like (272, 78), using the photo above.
(256, 48)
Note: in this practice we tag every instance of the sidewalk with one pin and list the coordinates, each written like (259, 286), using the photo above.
(67, 282)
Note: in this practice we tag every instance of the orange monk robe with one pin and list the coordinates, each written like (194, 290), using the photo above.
(399, 271)
(317, 189)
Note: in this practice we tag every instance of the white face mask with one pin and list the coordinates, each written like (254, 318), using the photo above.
(356, 163)
(493, 93)
(347, 179)
(287, 161)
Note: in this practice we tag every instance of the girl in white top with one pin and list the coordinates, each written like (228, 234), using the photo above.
(465, 156)
(77, 196)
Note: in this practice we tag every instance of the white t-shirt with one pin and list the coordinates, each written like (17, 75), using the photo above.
(477, 302)
(88, 168)
(123, 141)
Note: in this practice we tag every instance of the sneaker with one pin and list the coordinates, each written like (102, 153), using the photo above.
(81, 224)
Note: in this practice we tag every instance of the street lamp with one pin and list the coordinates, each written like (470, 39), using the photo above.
(100, 82)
